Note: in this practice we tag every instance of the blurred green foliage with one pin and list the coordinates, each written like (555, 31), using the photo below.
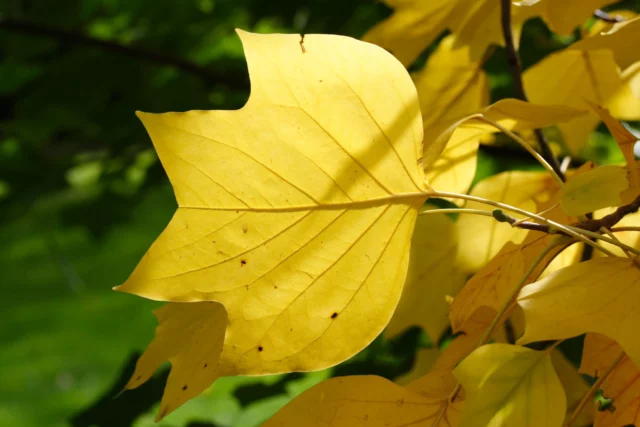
(82, 194)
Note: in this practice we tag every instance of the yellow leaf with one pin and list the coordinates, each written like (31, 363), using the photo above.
(296, 211)
(625, 139)
(190, 336)
(494, 283)
(568, 78)
(625, 103)
(622, 385)
(563, 16)
(483, 237)
(507, 385)
(415, 24)
(599, 295)
(455, 167)
(622, 40)
(367, 400)
(595, 189)
(629, 238)
(433, 275)
(575, 388)
(424, 360)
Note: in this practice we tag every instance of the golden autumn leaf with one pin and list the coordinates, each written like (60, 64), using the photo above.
(492, 285)
(416, 23)
(433, 275)
(625, 140)
(621, 40)
(568, 78)
(507, 385)
(371, 401)
(296, 211)
(484, 237)
(625, 103)
(190, 336)
(599, 295)
(622, 384)
(595, 189)
(563, 16)
(575, 388)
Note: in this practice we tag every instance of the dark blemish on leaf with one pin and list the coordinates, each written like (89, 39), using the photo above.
(334, 315)
(291, 330)
(139, 376)
(260, 348)
(237, 211)
(245, 228)
(320, 81)
(184, 387)
(243, 262)
(365, 418)
(247, 287)
(275, 287)
(206, 364)
(302, 43)
(400, 402)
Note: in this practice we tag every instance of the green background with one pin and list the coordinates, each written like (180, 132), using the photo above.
(82, 194)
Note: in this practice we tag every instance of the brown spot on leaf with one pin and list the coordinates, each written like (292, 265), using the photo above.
(334, 315)
(243, 262)
(205, 365)
(245, 228)
(260, 348)
(184, 387)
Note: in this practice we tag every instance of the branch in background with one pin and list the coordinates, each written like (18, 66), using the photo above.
(593, 225)
(606, 17)
(231, 80)
(516, 74)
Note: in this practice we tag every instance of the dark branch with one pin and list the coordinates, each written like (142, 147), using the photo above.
(232, 80)
(606, 17)
(516, 73)
(593, 225)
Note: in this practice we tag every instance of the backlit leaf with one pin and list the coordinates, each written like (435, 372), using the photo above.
(625, 140)
(622, 40)
(568, 78)
(622, 385)
(296, 211)
(507, 385)
(190, 336)
(563, 16)
(625, 103)
(484, 236)
(599, 295)
(368, 400)
(595, 189)
(432, 276)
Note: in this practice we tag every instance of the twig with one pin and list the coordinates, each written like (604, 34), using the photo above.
(516, 72)
(232, 80)
(607, 17)
(593, 389)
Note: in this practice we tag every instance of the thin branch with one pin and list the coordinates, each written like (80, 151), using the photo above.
(230, 79)
(607, 17)
(516, 72)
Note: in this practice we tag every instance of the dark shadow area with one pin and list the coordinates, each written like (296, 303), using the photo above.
(121, 411)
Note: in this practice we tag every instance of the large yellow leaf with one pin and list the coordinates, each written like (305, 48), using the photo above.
(622, 40)
(622, 385)
(371, 401)
(296, 211)
(507, 385)
(595, 189)
(483, 237)
(563, 16)
(568, 78)
(190, 336)
(599, 295)
(433, 275)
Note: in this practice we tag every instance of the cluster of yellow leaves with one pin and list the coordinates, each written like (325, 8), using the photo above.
(298, 237)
